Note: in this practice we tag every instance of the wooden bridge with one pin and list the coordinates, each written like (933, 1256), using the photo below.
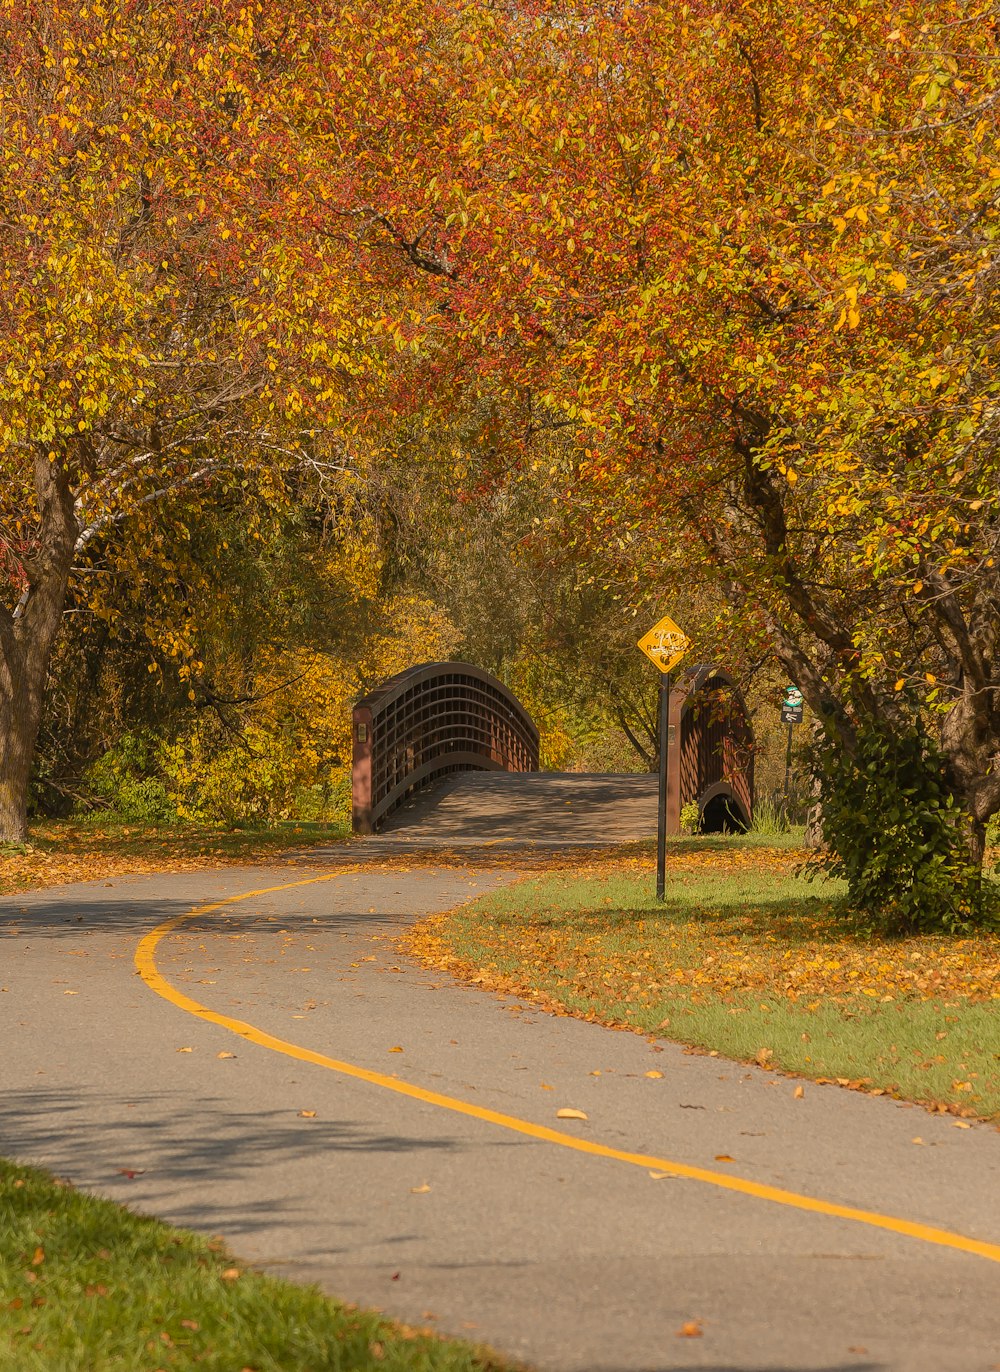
(445, 755)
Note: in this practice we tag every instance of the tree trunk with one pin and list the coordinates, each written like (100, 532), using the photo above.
(27, 635)
(20, 716)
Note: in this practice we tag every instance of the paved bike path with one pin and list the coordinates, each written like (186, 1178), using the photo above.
(568, 1260)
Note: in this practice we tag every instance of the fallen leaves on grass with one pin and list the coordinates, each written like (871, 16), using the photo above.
(739, 934)
(794, 948)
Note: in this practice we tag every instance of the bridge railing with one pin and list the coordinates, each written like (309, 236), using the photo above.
(428, 721)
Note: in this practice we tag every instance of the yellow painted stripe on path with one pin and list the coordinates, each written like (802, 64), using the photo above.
(145, 961)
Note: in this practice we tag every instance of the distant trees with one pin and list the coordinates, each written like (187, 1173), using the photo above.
(747, 255)
(172, 329)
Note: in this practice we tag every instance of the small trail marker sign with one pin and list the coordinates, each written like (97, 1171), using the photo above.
(665, 644)
(791, 706)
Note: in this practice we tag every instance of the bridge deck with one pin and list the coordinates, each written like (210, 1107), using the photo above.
(529, 809)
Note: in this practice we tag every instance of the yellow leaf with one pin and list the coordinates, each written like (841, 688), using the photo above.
(724, 1157)
(690, 1330)
(307, 1114)
(660, 1176)
(419, 1190)
(397, 1049)
(898, 280)
(654, 1075)
(791, 476)
(799, 1092)
(918, 586)
(567, 1113)
(225, 1055)
(853, 319)
(231, 1274)
(900, 684)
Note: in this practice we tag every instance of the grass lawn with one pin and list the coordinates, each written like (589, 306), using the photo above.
(87, 1286)
(745, 959)
(82, 850)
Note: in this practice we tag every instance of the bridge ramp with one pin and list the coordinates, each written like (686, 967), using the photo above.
(526, 809)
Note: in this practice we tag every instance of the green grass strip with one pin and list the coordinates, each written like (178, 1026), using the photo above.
(88, 1286)
(755, 966)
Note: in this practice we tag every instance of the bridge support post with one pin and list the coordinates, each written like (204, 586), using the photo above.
(362, 819)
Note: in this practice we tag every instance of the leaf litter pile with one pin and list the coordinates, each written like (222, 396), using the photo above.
(744, 958)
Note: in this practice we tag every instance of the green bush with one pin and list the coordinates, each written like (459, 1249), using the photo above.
(895, 833)
(128, 782)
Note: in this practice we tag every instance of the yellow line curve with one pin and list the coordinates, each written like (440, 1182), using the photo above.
(145, 961)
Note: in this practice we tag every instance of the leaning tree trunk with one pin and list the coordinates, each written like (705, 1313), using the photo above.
(27, 635)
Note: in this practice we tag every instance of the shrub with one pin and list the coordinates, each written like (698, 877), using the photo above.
(769, 818)
(128, 781)
(895, 832)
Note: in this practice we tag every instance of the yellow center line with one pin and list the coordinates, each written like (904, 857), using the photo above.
(145, 961)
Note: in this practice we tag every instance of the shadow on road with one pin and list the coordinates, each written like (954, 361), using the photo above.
(200, 1158)
(82, 909)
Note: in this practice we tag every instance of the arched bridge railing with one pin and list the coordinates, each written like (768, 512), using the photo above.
(713, 763)
(433, 719)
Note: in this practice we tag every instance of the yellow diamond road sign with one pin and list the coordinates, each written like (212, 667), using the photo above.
(665, 644)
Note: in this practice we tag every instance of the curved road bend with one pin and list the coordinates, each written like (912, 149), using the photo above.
(485, 1225)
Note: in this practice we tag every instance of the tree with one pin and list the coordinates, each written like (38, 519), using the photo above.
(749, 256)
(172, 325)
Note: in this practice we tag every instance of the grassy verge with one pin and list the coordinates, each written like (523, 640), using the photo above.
(79, 851)
(86, 1284)
(744, 959)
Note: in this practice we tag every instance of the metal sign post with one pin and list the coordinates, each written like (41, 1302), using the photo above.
(664, 645)
(666, 683)
(791, 714)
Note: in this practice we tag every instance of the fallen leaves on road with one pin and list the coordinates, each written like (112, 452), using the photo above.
(421, 1190)
(690, 1330)
(307, 1114)
(566, 1113)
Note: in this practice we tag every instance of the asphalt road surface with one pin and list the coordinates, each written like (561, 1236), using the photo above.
(281, 1075)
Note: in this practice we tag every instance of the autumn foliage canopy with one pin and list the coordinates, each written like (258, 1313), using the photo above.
(723, 277)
